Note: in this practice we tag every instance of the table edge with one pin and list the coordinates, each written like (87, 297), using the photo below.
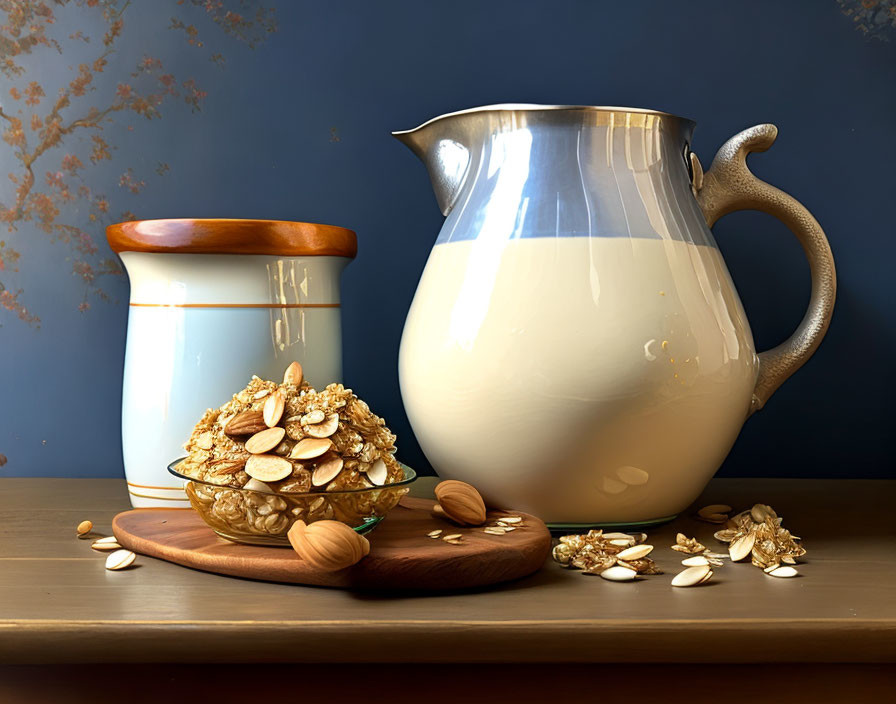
(444, 641)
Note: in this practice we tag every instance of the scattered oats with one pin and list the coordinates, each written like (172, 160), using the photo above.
(784, 572)
(434, 533)
(494, 530)
(453, 536)
(457, 541)
(511, 519)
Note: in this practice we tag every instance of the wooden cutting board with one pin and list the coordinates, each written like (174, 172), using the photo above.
(401, 557)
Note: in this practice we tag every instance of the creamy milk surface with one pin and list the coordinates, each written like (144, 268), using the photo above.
(583, 379)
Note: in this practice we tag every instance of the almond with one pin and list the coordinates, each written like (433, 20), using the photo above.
(309, 448)
(293, 374)
(273, 409)
(742, 547)
(268, 468)
(618, 574)
(327, 545)
(692, 576)
(264, 441)
(313, 417)
(106, 545)
(246, 423)
(636, 552)
(325, 428)
(378, 473)
(326, 472)
(120, 559)
(84, 527)
(461, 502)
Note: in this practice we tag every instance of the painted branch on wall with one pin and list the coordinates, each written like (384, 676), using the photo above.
(52, 122)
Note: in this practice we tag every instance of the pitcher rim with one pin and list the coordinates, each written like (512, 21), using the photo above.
(537, 107)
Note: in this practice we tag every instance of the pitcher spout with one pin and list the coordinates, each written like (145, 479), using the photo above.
(446, 159)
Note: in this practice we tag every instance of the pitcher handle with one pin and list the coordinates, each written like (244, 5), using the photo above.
(728, 186)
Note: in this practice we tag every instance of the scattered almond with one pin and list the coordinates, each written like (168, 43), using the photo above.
(742, 547)
(106, 544)
(617, 573)
(696, 561)
(434, 533)
(328, 545)
(692, 576)
(120, 559)
(461, 502)
(636, 552)
(84, 527)
(714, 508)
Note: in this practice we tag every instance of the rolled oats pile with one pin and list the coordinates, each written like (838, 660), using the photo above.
(292, 439)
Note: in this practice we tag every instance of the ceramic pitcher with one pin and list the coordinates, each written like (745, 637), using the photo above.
(212, 303)
(576, 347)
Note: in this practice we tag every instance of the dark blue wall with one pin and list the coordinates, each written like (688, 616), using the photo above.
(298, 128)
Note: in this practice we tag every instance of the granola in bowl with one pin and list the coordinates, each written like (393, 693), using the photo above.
(276, 453)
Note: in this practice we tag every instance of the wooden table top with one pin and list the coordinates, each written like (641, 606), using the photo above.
(58, 604)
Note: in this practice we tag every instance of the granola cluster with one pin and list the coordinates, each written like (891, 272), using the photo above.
(760, 534)
(292, 439)
(596, 552)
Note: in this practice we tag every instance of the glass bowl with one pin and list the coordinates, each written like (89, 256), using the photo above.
(264, 517)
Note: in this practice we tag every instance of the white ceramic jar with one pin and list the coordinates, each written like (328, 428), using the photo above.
(212, 303)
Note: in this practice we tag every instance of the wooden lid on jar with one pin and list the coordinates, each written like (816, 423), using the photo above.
(228, 236)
